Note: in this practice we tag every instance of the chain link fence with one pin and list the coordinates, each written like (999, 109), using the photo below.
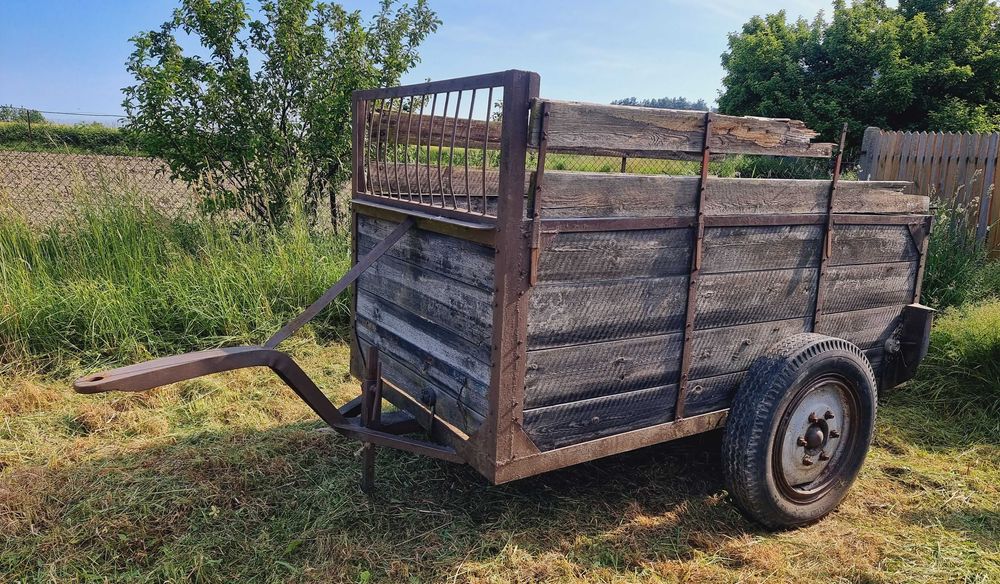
(735, 166)
(51, 187)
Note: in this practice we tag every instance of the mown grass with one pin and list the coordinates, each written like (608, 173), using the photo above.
(120, 282)
(229, 478)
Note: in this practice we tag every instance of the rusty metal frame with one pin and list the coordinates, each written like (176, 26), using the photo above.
(501, 435)
(694, 275)
(826, 252)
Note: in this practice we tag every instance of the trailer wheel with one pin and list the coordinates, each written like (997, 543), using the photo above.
(799, 430)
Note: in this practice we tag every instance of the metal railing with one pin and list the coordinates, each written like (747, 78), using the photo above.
(435, 145)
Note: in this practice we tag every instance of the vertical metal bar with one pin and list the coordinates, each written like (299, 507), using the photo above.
(385, 148)
(444, 126)
(925, 230)
(624, 162)
(536, 198)
(486, 140)
(468, 139)
(510, 307)
(395, 148)
(695, 274)
(377, 130)
(827, 250)
(416, 163)
(359, 125)
(406, 150)
(451, 154)
(368, 409)
(427, 160)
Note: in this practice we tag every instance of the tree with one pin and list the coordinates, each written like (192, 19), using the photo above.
(925, 65)
(680, 103)
(262, 111)
(9, 113)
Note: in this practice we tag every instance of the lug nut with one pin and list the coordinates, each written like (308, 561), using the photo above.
(801, 441)
(834, 434)
(807, 461)
(824, 456)
(828, 415)
(812, 418)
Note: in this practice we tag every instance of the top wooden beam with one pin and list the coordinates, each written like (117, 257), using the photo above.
(588, 128)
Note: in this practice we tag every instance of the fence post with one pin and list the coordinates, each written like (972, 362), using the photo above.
(869, 144)
(985, 199)
(27, 116)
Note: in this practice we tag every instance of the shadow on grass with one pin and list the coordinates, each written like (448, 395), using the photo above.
(285, 503)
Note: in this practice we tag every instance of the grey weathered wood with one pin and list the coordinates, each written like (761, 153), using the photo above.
(594, 194)
(427, 129)
(865, 286)
(610, 255)
(559, 425)
(761, 296)
(726, 350)
(872, 244)
(577, 372)
(425, 343)
(730, 249)
(448, 406)
(458, 259)
(634, 131)
(460, 308)
(711, 394)
(865, 328)
(437, 186)
(569, 313)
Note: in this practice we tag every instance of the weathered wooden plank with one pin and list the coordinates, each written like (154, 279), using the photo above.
(569, 313)
(576, 372)
(726, 350)
(608, 255)
(410, 181)
(435, 130)
(457, 363)
(458, 259)
(448, 406)
(462, 309)
(872, 244)
(737, 298)
(711, 394)
(730, 249)
(563, 424)
(860, 287)
(594, 194)
(865, 328)
(633, 131)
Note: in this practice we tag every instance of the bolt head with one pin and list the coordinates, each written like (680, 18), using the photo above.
(834, 433)
(801, 441)
(813, 418)
(824, 456)
(828, 415)
(807, 461)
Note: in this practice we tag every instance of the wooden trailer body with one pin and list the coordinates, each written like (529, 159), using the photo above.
(535, 318)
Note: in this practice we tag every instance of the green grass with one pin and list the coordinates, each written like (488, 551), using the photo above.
(228, 478)
(120, 282)
(66, 138)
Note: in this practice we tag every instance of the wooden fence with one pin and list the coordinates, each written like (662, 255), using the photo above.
(952, 168)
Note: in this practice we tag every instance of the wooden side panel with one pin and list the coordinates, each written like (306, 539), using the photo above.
(594, 194)
(637, 131)
(647, 253)
(427, 305)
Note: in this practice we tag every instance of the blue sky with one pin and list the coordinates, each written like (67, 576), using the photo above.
(69, 55)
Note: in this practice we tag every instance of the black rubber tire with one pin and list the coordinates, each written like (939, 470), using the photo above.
(769, 388)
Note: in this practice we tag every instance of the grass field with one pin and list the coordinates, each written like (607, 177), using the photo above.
(230, 478)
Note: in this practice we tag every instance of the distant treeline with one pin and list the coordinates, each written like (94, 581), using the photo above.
(680, 103)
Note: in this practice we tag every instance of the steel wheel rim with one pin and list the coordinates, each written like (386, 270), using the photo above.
(815, 438)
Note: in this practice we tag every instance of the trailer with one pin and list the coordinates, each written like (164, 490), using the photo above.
(522, 318)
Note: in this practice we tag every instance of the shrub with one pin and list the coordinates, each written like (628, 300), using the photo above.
(81, 138)
(122, 282)
(958, 269)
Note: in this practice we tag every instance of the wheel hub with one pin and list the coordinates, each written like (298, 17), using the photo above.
(811, 442)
